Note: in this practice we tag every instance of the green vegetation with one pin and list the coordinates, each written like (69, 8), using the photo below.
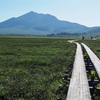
(94, 45)
(32, 68)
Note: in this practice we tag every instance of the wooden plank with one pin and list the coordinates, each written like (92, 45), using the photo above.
(95, 60)
(79, 88)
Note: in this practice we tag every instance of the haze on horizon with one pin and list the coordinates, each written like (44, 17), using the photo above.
(85, 12)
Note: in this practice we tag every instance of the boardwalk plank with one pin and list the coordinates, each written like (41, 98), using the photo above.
(95, 60)
(78, 88)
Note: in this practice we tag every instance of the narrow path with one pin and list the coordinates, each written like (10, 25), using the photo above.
(79, 88)
(95, 60)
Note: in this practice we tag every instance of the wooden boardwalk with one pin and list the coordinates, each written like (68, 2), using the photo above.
(95, 60)
(79, 88)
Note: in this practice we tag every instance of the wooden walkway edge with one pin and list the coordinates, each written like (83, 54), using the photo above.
(95, 60)
(79, 88)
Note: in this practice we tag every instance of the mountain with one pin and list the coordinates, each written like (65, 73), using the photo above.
(33, 23)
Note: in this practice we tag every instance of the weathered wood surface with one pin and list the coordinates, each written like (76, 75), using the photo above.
(79, 88)
(95, 60)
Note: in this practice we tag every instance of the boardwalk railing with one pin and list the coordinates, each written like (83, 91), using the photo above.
(79, 88)
(95, 60)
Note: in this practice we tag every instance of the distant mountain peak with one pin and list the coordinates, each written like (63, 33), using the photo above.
(32, 12)
(33, 22)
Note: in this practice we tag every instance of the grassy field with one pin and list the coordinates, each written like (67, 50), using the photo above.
(94, 45)
(32, 68)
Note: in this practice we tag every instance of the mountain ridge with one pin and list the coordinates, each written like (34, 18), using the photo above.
(33, 23)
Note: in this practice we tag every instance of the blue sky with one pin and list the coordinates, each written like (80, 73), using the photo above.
(86, 12)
